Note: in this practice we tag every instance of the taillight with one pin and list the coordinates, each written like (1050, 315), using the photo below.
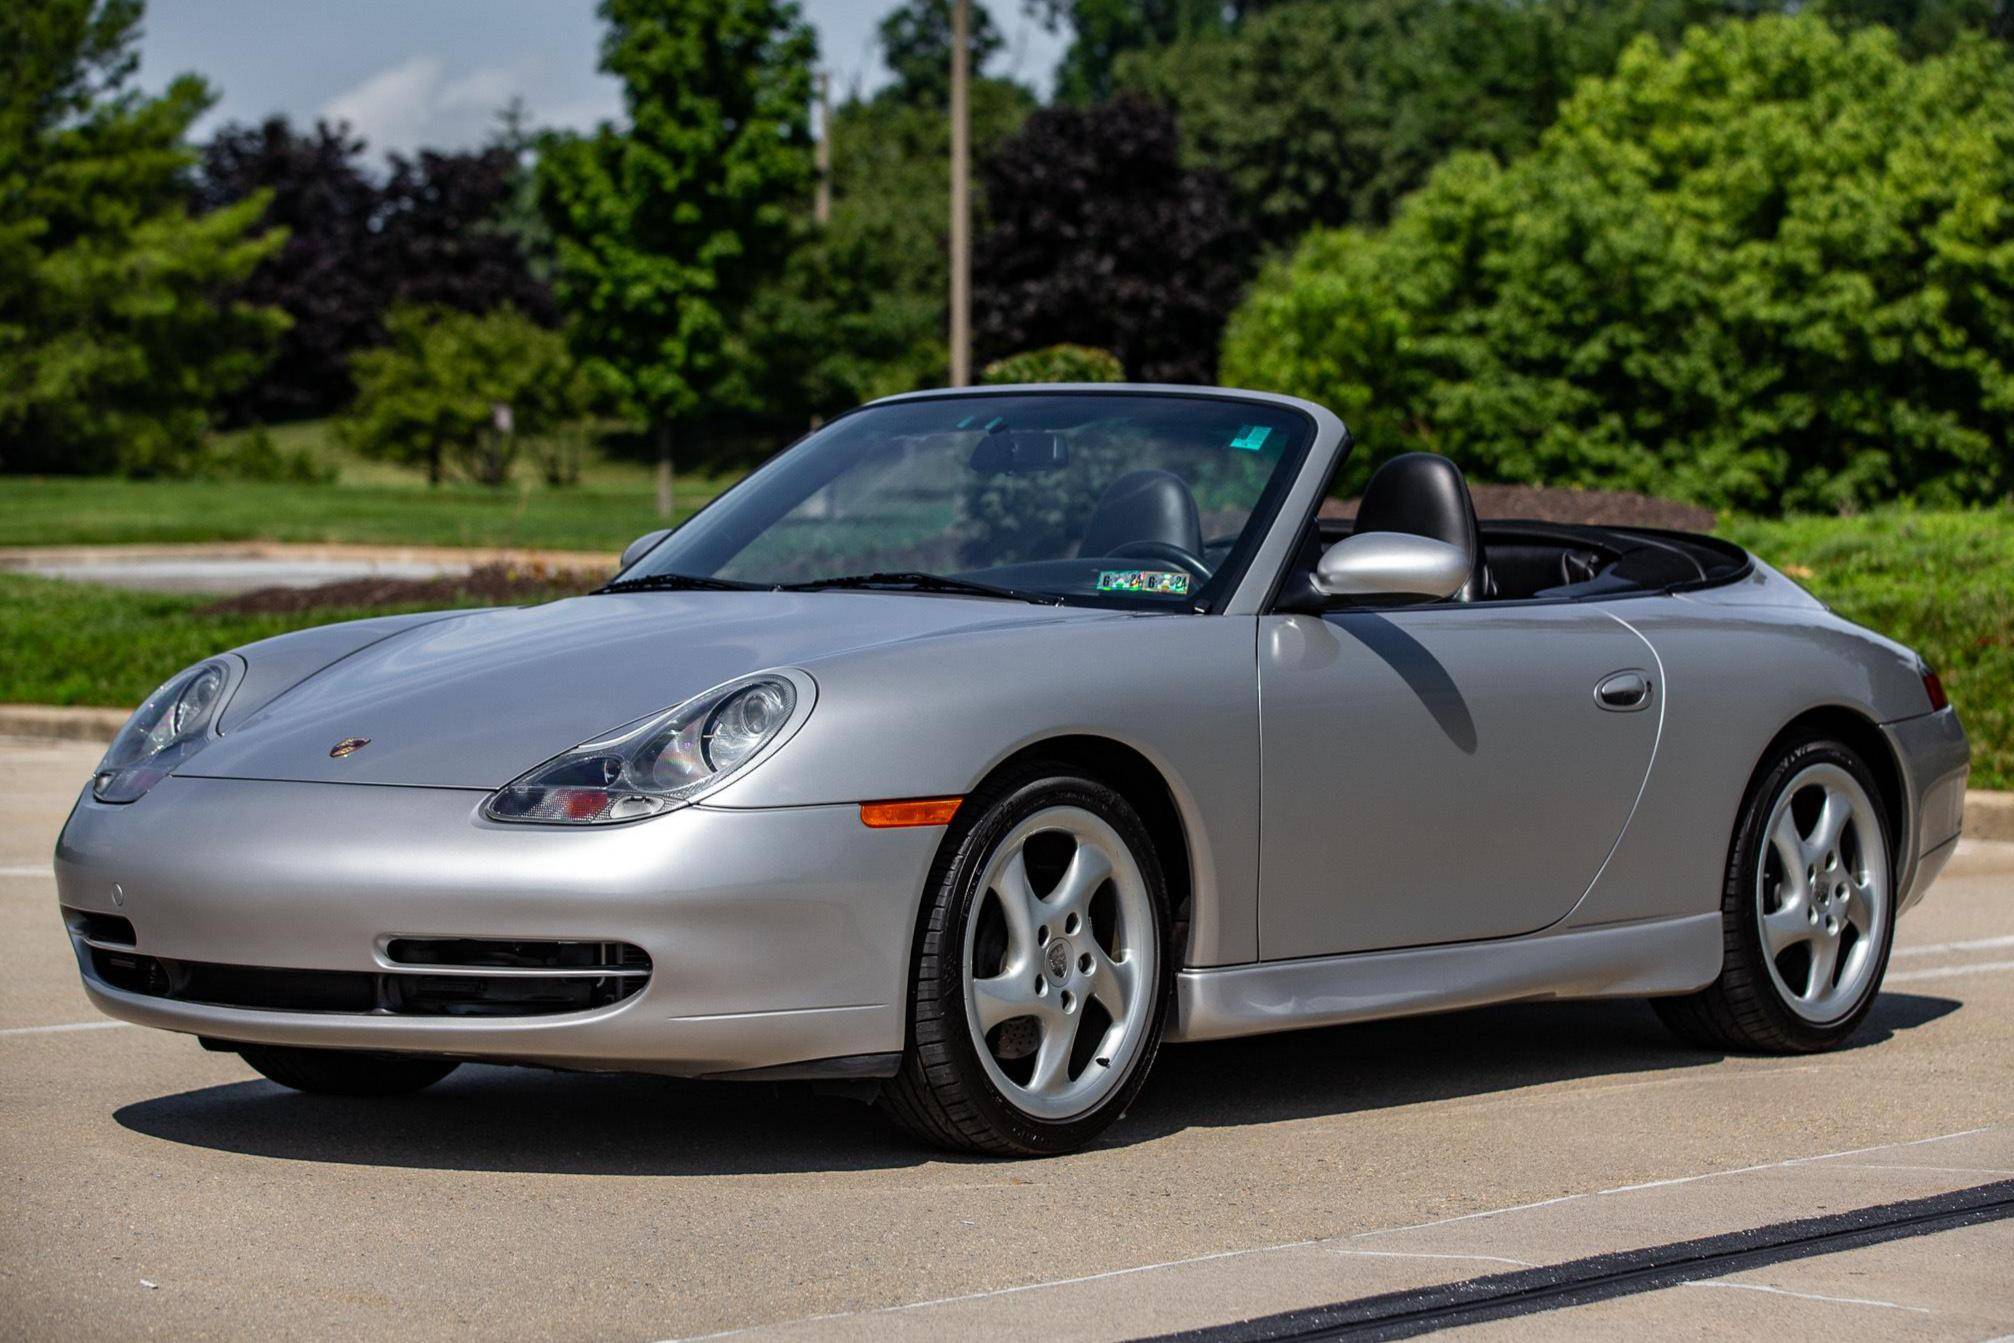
(1934, 688)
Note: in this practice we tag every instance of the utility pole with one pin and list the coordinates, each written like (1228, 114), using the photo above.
(821, 204)
(961, 204)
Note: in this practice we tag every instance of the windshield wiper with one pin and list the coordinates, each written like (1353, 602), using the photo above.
(921, 582)
(677, 583)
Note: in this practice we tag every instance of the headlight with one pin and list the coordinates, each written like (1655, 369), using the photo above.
(177, 721)
(664, 761)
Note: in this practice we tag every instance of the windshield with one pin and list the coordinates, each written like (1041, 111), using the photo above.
(1136, 499)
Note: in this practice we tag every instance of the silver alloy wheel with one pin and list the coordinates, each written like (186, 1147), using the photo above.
(1085, 948)
(1822, 893)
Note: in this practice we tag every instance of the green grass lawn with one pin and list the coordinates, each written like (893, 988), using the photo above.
(371, 502)
(52, 511)
(78, 643)
(1941, 582)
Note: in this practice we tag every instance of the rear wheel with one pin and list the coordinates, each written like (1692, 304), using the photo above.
(1807, 911)
(1041, 978)
(342, 1072)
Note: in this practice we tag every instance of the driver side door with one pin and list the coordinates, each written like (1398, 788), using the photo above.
(1442, 773)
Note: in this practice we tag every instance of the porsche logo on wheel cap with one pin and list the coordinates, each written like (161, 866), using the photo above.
(348, 746)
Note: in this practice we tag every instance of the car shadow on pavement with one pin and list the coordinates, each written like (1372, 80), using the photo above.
(1380, 1065)
(533, 1121)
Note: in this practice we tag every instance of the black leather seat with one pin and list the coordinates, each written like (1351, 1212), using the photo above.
(1144, 506)
(1423, 494)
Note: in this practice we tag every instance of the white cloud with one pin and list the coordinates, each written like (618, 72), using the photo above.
(415, 104)
(392, 108)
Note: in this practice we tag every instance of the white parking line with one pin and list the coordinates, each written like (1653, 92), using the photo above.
(43, 871)
(1807, 1296)
(66, 1026)
(1939, 948)
(1946, 971)
(1327, 1244)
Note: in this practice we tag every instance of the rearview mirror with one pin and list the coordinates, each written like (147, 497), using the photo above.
(1020, 452)
(1392, 564)
(640, 547)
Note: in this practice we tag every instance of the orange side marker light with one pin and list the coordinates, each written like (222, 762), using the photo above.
(912, 811)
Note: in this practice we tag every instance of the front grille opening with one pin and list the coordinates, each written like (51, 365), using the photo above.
(361, 991)
(490, 954)
(95, 927)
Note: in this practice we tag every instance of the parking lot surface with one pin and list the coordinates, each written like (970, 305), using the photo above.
(152, 1189)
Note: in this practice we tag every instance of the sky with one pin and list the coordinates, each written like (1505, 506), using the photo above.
(407, 73)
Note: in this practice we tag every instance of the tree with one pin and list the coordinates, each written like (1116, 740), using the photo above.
(325, 275)
(1324, 113)
(1926, 27)
(443, 239)
(859, 310)
(432, 233)
(916, 45)
(664, 231)
(1102, 31)
(1774, 268)
(429, 396)
(1100, 237)
(113, 341)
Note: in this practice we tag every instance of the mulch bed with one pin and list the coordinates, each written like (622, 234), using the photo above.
(488, 585)
(1546, 503)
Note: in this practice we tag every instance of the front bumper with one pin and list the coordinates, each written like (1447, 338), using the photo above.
(1936, 760)
(777, 938)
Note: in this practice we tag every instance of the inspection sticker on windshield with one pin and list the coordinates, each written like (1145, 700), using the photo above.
(1251, 437)
(1143, 580)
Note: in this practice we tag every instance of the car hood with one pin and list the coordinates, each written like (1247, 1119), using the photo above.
(476, 700)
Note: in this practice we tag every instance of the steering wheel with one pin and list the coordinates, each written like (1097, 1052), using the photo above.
(1198, 567)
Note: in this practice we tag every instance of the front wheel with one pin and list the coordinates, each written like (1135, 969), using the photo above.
(1807, 911)
(342, 1072)
(1041, 978)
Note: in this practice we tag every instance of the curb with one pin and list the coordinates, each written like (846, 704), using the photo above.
(1988, 815)
(48, 722)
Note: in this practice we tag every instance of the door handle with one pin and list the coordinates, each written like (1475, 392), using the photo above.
(1623, 691)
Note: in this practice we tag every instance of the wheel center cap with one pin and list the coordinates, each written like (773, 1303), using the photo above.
(1057, 960)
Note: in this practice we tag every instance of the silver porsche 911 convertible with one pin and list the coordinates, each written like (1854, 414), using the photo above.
(983, 741)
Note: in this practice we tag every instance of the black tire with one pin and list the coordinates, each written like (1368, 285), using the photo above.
(1743, 1010)
(343, 1072)
(942, 1093)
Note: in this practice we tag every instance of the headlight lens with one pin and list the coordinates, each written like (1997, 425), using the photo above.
(661, 763)
(176, 721)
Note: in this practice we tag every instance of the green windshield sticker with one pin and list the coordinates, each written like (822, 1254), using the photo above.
(1143, 580)
(1251, 437)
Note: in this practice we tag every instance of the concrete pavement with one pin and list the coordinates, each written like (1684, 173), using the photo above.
(155, 1189)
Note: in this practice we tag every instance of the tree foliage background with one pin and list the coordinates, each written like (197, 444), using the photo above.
(1774, 268)
(664, 230)
(117, 328)
(1099, 236)
(1695, 246)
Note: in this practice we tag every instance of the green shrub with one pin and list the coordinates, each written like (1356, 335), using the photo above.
(1772, 269)
(1056, 363)
(1943, 583)
(254, 455)
(430, 395)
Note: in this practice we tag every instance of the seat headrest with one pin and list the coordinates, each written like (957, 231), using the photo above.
(1424, 494)
(1143, 506)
